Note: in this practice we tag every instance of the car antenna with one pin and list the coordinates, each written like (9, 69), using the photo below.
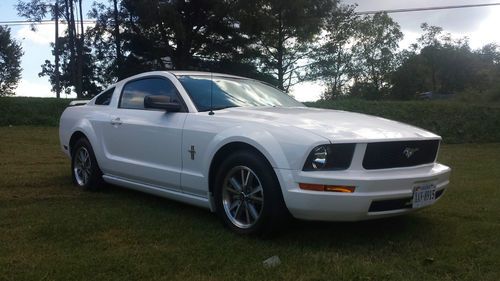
(211, 112)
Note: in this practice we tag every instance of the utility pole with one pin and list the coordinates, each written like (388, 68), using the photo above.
(119, 59)
(80, 42)
(56, 46)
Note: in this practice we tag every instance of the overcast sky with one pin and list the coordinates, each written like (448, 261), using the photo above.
(479, 24)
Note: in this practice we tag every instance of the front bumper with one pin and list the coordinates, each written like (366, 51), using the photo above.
(390, 187)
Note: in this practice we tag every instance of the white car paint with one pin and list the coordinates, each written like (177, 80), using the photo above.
(148, 151)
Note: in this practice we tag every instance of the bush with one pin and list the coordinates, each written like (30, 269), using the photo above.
(456, 122)
(31, 111)
(490, 96)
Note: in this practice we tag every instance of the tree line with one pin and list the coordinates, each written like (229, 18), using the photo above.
(280, 42)
(10, 62)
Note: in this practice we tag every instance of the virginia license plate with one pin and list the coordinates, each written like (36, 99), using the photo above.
(424, 195)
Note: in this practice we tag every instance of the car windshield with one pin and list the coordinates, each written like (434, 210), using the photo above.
(233, 92)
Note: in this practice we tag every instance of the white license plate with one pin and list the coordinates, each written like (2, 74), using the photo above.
(424, 195)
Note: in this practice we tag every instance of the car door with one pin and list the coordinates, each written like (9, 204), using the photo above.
(144, 145)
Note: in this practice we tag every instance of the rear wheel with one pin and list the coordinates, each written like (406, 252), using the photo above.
(84, 168)
(248, 196)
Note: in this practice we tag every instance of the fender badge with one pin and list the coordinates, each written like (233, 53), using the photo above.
(192, 152)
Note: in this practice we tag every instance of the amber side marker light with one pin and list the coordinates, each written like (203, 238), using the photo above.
(331, 188)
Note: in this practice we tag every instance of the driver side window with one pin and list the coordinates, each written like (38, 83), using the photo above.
(133, 92)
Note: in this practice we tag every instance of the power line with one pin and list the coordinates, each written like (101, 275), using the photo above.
(43, 22)
(90, 21)
(427, 9)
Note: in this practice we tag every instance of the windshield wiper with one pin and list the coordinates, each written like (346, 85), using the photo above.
(221, 107)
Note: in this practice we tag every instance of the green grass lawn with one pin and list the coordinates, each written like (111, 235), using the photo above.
(51, 230)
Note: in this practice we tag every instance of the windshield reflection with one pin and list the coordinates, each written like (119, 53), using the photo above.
(233, 92)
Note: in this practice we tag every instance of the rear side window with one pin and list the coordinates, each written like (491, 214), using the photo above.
(105, 98)
(134, 92)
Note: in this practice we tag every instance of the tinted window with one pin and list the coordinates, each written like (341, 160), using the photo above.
(233, 92)
(105, 98)
(134, 92)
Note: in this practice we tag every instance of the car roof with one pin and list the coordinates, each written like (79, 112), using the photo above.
(202, 73)
(176, 73)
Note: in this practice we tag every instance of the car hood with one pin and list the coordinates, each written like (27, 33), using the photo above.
(334, 125)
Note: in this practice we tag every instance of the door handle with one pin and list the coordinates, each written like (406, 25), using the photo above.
(116, 121)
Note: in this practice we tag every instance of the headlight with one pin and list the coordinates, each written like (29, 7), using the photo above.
(320, 153)
(330, 157)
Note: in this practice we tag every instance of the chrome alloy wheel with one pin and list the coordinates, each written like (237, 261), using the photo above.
(82, 166)
(242, 197)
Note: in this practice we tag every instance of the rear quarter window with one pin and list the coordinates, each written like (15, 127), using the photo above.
(105, 98)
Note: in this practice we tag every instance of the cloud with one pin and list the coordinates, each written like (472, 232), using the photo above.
(43, 35)
(307, 91)
(455, 21)
(38, 88)
(478, 23)
(36, 49)
(487, 32)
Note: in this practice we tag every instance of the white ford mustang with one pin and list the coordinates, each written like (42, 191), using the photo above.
(249, 152)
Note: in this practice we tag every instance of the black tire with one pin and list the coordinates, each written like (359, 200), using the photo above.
(272, 213)
(88, 175)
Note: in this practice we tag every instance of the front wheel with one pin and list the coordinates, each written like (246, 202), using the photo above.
(84, 168)
(248, 195)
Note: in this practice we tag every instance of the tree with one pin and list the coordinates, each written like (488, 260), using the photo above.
(487, 66)
(432, 36)
(411, 77)
(37, 10)
(116, 34)
(10, 62)
(92, 82)
(375, 53)
(282, 33)
(430, 43)
(102, 38)
(181, 34)
(131, 37)
(440, 64)
(34, 10)
(332, 60)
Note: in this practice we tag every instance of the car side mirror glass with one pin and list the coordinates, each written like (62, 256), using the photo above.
(161, 102)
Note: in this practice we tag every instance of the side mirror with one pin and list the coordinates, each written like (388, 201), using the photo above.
(161, 102)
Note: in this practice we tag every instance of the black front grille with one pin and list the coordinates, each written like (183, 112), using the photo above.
(384, 155)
